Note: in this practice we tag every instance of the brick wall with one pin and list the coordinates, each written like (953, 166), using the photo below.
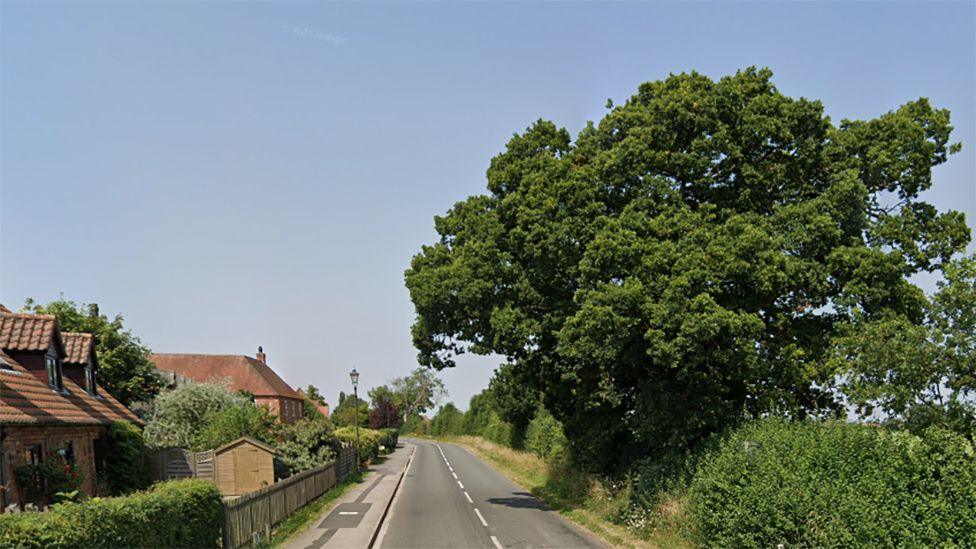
(19, 438)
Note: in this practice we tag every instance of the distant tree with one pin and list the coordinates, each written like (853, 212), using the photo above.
(447, 421)
(312, 392)
(422, 390)
(345, 413)
(124, 369)
(384, 414)
(688, 261)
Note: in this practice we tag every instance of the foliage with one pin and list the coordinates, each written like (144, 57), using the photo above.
(313, 399)
(447, 421)
(124, 459)
(687, 262)
(415, 424)
(183, 513)
(307, 444)
(180, 414)
(814, 484)
(385, 414)
(389, 439)
(370, 441)
(346, 412)
(418, 392)
(480, 408)
(918, 375)
(544, 436)
(124, 369)
(49, 478)
(244, 419)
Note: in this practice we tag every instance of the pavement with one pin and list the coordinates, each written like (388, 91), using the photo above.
(355, 518)
(450, 498)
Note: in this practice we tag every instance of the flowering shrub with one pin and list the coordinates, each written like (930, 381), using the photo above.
(49, 478)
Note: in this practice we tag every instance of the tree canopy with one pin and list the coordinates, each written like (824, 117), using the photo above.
(689, 261)
(124, 369)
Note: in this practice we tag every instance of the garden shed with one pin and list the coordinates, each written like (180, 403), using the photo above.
(244, 466)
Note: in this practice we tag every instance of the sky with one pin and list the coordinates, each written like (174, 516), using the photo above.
(228, 175)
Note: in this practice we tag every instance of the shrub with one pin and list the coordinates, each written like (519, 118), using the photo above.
(415, 424)
(122, 454)
(182, 513)
(390, 438)
(836, 485)
(178, 415)
(498, 430)
(544, 436)
(369, 441)
(243, 419)
(307, 444)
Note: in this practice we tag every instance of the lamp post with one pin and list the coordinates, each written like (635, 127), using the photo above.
(354, 376)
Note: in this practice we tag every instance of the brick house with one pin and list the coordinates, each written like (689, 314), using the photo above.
(242, 373)
(43, 409)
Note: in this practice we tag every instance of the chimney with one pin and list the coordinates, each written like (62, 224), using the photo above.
(261, 356)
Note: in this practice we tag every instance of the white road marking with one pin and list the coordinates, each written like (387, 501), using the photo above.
(481, 518)
(348, 512)
(471, 501)
(461, 485)
(498, 545)
(455, 475)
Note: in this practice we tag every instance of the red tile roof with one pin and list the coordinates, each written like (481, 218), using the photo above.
(78, 347)
(26, 400)
(245, 373)
(27, 332)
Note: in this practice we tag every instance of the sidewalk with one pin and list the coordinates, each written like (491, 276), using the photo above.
(354, 519)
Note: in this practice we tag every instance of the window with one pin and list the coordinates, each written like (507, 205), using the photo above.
(68, 451)
(32, 454)
(90, 380)
(54, 373)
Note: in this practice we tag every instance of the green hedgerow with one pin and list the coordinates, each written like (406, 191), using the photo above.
(180, 513)
(813, 484)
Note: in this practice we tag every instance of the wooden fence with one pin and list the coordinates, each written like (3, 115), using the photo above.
(170, 463)
(252, 516)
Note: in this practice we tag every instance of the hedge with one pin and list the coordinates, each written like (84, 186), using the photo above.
(813, 484)
(180, 513)
(389, 439)
(369, 441)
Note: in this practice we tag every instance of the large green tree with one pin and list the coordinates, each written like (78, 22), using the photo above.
(687, 261)
(124, 369)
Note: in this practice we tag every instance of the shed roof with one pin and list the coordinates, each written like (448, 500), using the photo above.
(244, 440)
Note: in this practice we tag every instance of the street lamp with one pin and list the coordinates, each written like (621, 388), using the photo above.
(354, 376)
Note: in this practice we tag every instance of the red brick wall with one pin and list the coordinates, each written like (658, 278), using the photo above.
(287, 410)
(17, 438)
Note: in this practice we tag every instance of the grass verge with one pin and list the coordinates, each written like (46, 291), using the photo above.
(297, 522)
(583, 498)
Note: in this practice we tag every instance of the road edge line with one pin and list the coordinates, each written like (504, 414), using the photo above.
(383, 524)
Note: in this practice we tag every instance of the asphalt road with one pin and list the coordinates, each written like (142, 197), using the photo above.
(450, 498)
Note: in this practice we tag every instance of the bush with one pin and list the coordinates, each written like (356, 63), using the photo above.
(307, 444)
(122, 454)
(180, 414)
(182, 513)
(498, 431)
(544, 436)
(836, 485)
(415, 424)
(390, 438)
(244, 419)
(369, 441)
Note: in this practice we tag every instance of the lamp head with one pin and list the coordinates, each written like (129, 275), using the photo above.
(354, 376)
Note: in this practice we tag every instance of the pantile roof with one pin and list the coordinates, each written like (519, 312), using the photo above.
(27, 332)
(78, 347)
(243, 372)
(24, 400)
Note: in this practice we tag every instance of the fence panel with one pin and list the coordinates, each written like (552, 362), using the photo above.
(255, 514)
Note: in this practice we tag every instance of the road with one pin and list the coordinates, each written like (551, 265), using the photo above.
(449, 498)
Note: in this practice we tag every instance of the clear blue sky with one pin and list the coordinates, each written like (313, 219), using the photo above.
(234, 175)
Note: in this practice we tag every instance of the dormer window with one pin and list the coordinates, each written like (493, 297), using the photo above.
(54, 379)
(90, 380)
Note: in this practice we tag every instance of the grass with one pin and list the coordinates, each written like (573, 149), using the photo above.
(585, 499)
(301, 519)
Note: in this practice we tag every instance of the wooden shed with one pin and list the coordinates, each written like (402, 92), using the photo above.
(244, 466)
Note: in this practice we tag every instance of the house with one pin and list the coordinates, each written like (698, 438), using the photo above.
(322, 407)
(44, 412)
(242, 373)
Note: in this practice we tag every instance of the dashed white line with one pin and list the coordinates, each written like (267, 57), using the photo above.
(471, 501)
(481, 518)
(498, 544)
(455, 475)
(461, 485)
